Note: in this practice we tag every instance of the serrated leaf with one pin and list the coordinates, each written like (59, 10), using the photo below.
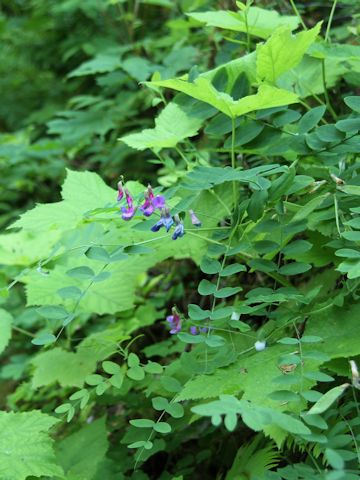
(5, 329)
(172, 126)
(26, 448)
(202, 89)
(282, 52)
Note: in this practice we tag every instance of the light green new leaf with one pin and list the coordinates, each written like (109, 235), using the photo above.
(282, 52)
(66, 368)
(5, 329)
(171, 127)
(202, 89)
(259, 22)
(81, 191)
(81, 453)
(25, 446)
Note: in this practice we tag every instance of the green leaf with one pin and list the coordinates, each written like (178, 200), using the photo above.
(5, 328)
(142, 423)
(170, 384)
(282, 52)
(44, 339)
(197, 313)
(52, 312)
(227, 292)
(176, 410)
(232, 269)
(188, 338)
(133, 360)
(159, 403)
(350, 189)
(98, 253)
(353, 102)
(328, 399)
(153, 368)
(296, 248)
(67, 368)
(69, 292)
(111, 367)
(206, 288)
(136, 373)
(202, 89)
(311, 119)
(210, 266)
(172, 126)
(294, 268)
(82, 452)
(26, 448)
(162, 427)
(259, 22)
(83, 273)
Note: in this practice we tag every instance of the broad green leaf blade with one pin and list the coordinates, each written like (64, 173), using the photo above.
(171, 127)
(327, 400)
(201, 89)
(82, 452)
(5, 328)
(260, 22)
(26, 447)
(282, 52)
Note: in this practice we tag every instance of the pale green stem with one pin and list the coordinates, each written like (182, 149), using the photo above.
(327, 33)
(296, 11)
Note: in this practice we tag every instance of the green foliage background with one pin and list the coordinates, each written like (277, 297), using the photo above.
(248, 114)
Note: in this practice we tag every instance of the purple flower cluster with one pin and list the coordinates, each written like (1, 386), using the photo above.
(176, 324)
(151, 203)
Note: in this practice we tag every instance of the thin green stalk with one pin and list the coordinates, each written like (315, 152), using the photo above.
(21, 330)
(233, 163)
(326, 95)
(220, 200)
(182, 155)
(327, 33)
(296, 11)
(337, 215)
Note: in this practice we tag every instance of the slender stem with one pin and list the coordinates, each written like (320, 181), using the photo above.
(21, 330)
(247, 28)
(296, 11)
(204, 238)
(233, 163)
(337, 215)
(179, 151)
(220, 200)
(327, 33)
(326, 95)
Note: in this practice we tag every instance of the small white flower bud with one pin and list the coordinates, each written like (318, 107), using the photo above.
(235, 316)
(260, 345)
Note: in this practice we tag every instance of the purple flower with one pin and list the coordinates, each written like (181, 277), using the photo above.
(196, 330)
(151, 202)
(179, 229)
(175, 322)
(166, 221)
(129, 211)
(194, 219)
(120, 191)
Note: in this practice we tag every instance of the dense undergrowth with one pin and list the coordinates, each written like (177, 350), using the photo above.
(185, 305)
